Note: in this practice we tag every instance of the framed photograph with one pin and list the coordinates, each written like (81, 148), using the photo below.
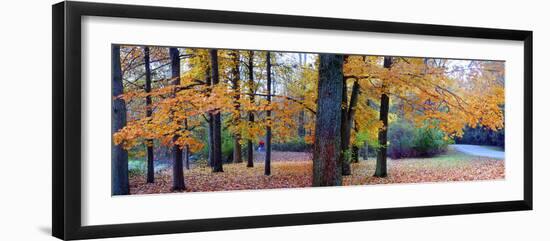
(171, 120)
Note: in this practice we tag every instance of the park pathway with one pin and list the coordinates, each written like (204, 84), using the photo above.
(259, 156)
(476, 150)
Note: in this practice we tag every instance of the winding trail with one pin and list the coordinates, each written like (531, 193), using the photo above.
(476, 150)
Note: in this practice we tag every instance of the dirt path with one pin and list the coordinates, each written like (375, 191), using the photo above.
(475, 150)
(283, 156)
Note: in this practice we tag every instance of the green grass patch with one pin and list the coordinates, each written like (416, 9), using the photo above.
(451, 158)
(136, 167)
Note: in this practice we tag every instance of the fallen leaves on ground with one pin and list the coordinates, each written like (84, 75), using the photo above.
(295, 174)
(422, 170)
(236, 176)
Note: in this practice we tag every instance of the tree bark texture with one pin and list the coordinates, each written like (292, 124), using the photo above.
(119, 156)
(348, 119)
(149, 112)
(178, 182)
(381, 157)
(236, 86)
(267, 169)
(327, 151)
(249, 145)
(217, 165)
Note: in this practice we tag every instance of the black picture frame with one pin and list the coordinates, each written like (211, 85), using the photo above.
(66, 169)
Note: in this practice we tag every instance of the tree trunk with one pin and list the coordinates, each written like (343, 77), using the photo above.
(302, 114)
(348, 115)
(187, 154)
(119, 156)
(365, 151)
(186, 157)
(250, 147)
(149, 112)
(354, 154)
(210, 120)
(178, 183)
(381, 157)
(267, 170)
(211, 140)
(217, 165)
(301, 123)
(237, 150)
(236, 86)
(327, 152)
(346, 168)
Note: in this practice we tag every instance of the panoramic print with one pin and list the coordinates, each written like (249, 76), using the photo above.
(200, 120)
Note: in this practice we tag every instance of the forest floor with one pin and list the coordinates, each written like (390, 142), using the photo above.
(294, 170)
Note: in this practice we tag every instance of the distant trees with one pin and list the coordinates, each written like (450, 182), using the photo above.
(119, 155)
(481, 136)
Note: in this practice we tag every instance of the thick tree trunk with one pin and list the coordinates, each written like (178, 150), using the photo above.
(119, 156)
(217, 165)
(210, 120)
(327, 152)
(149, 112)
(177, 169)
(237, 149)
(250, 146)
(267, 170)
(236, 86)
(381, 158)
(150, 162)
(178, 182)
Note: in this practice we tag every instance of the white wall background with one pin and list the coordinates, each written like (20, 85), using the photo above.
(25, 122)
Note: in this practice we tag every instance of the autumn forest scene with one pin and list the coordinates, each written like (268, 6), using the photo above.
(188, 119)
